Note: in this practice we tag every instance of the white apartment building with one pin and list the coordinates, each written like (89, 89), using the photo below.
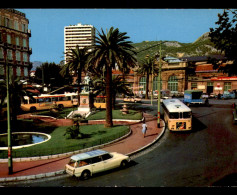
(81, 35)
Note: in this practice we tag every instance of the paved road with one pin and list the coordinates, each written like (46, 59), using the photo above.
(199, 158)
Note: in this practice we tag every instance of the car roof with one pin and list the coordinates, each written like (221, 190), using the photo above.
(86, 155)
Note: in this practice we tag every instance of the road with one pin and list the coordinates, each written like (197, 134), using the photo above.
(197, 158)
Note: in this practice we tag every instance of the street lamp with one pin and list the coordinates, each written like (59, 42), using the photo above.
(10, 166)
(159, 89)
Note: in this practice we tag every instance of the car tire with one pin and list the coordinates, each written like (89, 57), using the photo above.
(123, 164)
(85, 175)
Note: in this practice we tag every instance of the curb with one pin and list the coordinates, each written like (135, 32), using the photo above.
(61, 172)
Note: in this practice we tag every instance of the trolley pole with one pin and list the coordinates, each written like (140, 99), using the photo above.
(159, 89)
(10, 166)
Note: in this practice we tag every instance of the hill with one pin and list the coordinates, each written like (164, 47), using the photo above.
(202, 46)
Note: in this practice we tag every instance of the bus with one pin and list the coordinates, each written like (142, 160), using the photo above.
(177, 115)
(46, 101)
(100, 102)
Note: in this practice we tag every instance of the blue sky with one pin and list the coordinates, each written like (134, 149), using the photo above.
(183, 25)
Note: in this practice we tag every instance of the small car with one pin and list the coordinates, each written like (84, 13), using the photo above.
(84, 165)
(132, 99)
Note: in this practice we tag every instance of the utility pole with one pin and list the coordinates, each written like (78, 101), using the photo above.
(10, 165)
(159, 90)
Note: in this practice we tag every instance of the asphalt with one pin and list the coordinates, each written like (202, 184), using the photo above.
(49, 166)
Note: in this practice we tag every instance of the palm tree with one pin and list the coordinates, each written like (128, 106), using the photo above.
(76, 63)
(17, 91)
(118, 86)
(111, 49)
(146, 69)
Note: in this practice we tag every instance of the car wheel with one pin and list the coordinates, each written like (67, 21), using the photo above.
(123, 164)
(85, 175)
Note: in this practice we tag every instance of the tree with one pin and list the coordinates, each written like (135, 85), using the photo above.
(119, 85)
(48, 73)
(146, 69)
(225, 38)
(17, 91)
(111, 49)
(76, 63)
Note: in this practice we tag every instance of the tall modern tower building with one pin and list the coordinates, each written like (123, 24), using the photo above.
(81, 35)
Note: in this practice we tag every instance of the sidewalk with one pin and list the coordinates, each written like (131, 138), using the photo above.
(52, 167)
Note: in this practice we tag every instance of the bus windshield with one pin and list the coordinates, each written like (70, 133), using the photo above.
(174, 115)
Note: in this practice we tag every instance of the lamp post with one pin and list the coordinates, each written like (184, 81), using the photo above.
(159, 89)
(10, 166)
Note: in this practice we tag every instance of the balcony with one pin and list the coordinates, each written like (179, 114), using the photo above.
(29, 32)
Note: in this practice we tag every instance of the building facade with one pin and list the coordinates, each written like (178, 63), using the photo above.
(14, 43)
(81, 35)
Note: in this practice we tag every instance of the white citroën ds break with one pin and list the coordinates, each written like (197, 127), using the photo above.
(86, 164)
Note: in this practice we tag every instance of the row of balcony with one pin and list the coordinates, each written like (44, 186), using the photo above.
(16, 47)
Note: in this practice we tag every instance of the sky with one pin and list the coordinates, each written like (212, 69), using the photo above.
(182, 25)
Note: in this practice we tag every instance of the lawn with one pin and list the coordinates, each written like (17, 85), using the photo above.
(117, 114)
(95, 135)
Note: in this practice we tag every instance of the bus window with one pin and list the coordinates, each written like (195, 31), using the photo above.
(173, 115)
(54, 99)
(47, 99)
(40, 100)
(187, 114)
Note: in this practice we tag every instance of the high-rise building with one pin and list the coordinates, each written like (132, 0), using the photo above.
(81, 35)
(14, 43)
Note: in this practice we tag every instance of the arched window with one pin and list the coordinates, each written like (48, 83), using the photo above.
(155, 84)
(173, 83)
(142, 84)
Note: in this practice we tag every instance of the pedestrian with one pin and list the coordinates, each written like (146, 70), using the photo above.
(144, 128)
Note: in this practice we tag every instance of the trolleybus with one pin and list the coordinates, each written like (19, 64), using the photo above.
(177, 115)
(46, 101)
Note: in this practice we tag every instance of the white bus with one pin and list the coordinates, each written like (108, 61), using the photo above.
(177, 115)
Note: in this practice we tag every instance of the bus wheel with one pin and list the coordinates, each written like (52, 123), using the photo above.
(32, 109)
(60, 106)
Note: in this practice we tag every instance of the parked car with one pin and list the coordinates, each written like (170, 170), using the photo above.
(132, 99)
(228, 95)
(84, 165)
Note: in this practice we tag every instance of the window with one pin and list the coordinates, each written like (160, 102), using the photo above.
(227, 86)
(9, 54)
(7, 22)
(17, 41)
(96, 159)
(193, 86)
(18, 55)
(106, 156)
(18, 71)
(16, 25)
(24, 43)
(142, 84)
(155, 84)
(173, 83)
(25, 71)
(187, 114)
(173, 115)
(25, 57)
(9, 41)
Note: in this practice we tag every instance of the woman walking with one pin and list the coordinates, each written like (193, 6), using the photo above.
(144, 128)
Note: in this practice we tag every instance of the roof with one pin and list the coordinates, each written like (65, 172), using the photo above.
(202, 58)
(86, 155)
(175, 105)
(205, 68)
